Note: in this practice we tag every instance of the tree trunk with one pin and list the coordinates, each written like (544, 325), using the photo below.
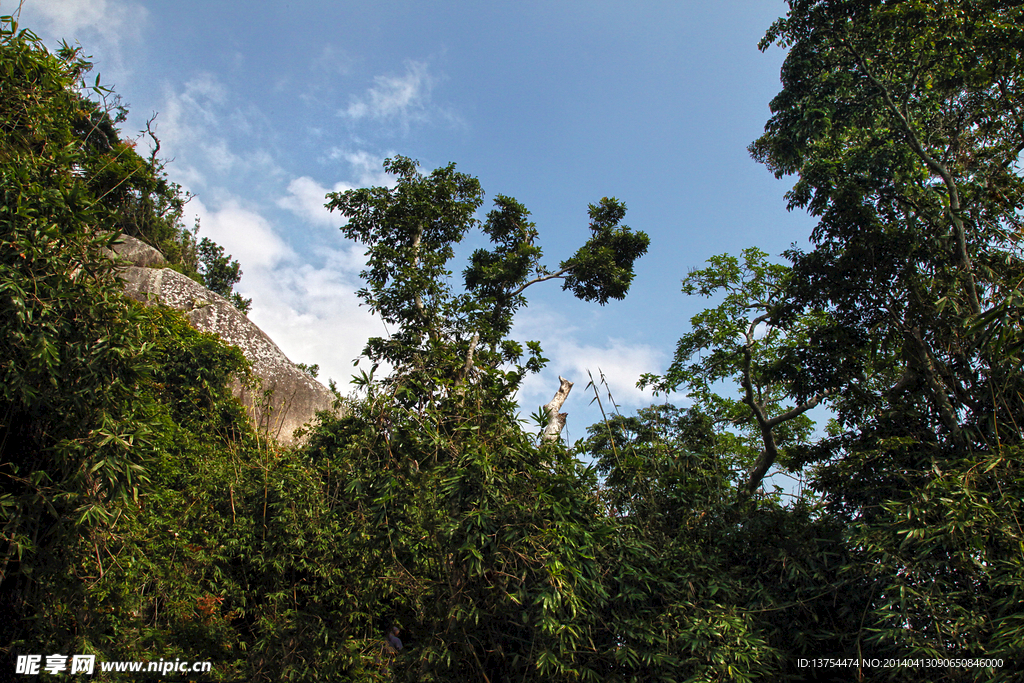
(556, 420)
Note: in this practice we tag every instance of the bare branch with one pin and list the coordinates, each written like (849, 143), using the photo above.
(753, 325)
(467, 368)
(156, 140)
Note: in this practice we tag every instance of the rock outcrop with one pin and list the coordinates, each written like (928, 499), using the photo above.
(294, 396)
(138, 253)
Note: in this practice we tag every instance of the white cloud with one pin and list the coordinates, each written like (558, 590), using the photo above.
(243, 233)
(306, 199)
(186, 116)
(310, 310)
(332, 61)
(219, 156)
(196, 126)
(620, 362)
(369, 168)
(111, 21)
(206, 87)
(575, 348)
(307, 305)
(107, 31)
(403, 98)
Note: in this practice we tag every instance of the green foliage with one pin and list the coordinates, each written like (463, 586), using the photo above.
(602, 269)
(132, 481)
(149, 582)
(902, 123)
(410, 232)
(311, 370)
(954, 534)
(220, 274)
(661, 446)
(702, 587)
(906, 147)
(73, 439)
(142, 515)
(478, 543)
(742, 341)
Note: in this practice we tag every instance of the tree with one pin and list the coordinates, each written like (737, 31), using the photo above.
(704, 585)
(130, 478)
(903, 124)
(739, 341)
(72, 439)
(484, 540)
(410, 231)
(220, 274)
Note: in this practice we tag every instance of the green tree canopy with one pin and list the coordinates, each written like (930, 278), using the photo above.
(410, 232)
(902, 124)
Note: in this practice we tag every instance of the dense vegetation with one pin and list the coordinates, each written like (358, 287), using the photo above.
(144, 518)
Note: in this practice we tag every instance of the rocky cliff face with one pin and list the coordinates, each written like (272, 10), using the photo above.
(295, 397)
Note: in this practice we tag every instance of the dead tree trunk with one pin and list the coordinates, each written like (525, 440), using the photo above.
(556, 420)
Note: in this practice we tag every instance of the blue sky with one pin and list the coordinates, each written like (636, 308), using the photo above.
(265, 106)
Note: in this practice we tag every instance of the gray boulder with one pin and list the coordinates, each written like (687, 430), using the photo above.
(137, 252)
(294, 396)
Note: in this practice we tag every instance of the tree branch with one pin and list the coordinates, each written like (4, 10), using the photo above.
(771, 451)
(469, 354)
(753, 326)
(467, 368)
(418, 301)
(542, 278)
(801, 409)
(927, 366)
(156, 140)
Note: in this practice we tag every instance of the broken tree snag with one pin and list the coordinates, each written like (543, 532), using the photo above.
(556, 420)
